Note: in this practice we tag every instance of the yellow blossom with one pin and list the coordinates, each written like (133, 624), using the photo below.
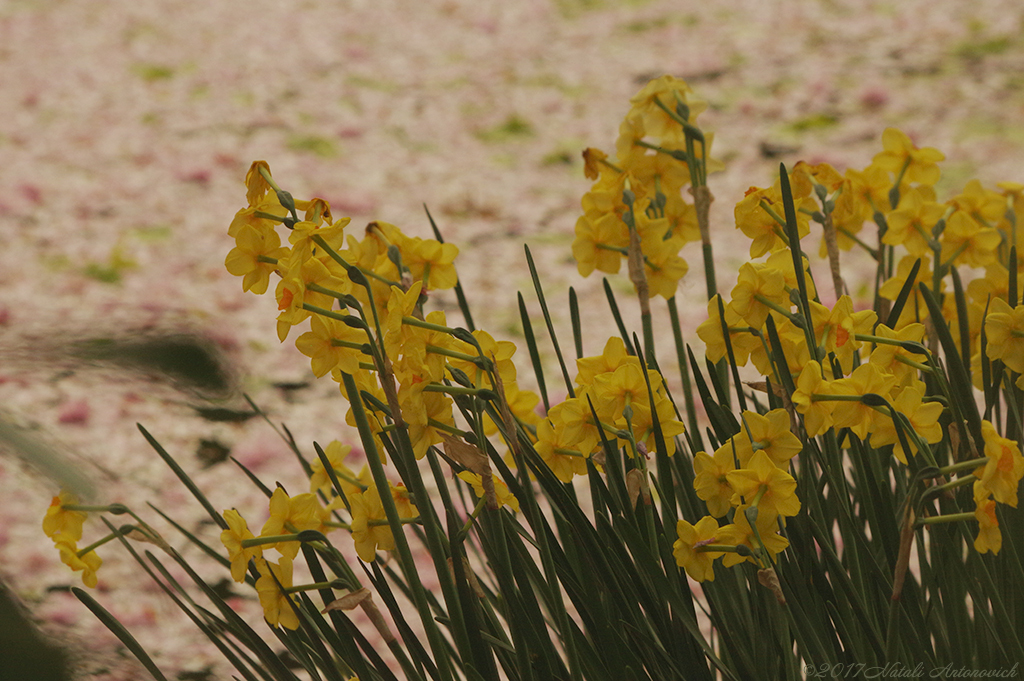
(740, 532)
(370, 530)
(232, 538)
(88, 564)
(686, 549)
(770, 433)
(254, 257)
(1004, 468)
(817, 413)
(278, 607)
(710, 479)
(761, 477)
(293, 514)
(62, 524)
(901, 156)
(505, 497)
(559, 452)
(989, 537)
(756, 287)
(1004, 332)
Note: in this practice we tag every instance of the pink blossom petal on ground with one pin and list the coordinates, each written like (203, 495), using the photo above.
(75, 413)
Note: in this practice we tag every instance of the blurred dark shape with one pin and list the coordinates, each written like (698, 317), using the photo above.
(225, 415)
(26, 655)
(775, 149)
(190, 362)
(211, 452)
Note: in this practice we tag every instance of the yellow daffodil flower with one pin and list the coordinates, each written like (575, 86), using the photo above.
(88, 564)
(1004, 468)
(232, 538)
(762, 478)
(699, 565)
(989, 536)
(254, 257)
(278, 607)
(505, 497)
(711, 480)
(61, 524)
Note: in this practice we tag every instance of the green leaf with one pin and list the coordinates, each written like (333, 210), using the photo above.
(118, 630)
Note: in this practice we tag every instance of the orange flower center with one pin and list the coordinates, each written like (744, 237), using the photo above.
(1005, 464)
(286, 300)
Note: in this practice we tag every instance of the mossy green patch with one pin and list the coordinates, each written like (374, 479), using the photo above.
(313, 144)
(514, 127)
(816, 121)
(153, 72)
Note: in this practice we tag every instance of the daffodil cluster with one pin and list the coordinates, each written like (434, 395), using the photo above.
(617, 401)
(871, 373)
(636, 203)
(360, 303)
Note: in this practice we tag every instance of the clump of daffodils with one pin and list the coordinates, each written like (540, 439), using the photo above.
(860, 424)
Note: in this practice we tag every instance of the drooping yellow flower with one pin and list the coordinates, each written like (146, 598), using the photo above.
(574, 422)
(400, 304)
(817, 413)
(740, 532)
(710, 331)
(980, 203)
(278, 607)
(248, 216)
(892, 358)
(600, 243)
(323, 345)
(668, 90)
(301, 237)
(505, 497)
(900, 153)
(923, 416)
(613, 356)
(232, 538)
(431, 262)
(837, 329)
(857, 416)
(663, 267)
(370, 530)
(62, 524)
(989, 536)
(965, 241)
(1004, 468)
(293, 514)
(686, 549)
(88, 564)
(1004, 331)
(255, 184)
(761, 226)
(613, 391)
(910, 225)
(434, 408)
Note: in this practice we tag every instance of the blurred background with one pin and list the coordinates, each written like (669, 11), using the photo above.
(126, 128)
